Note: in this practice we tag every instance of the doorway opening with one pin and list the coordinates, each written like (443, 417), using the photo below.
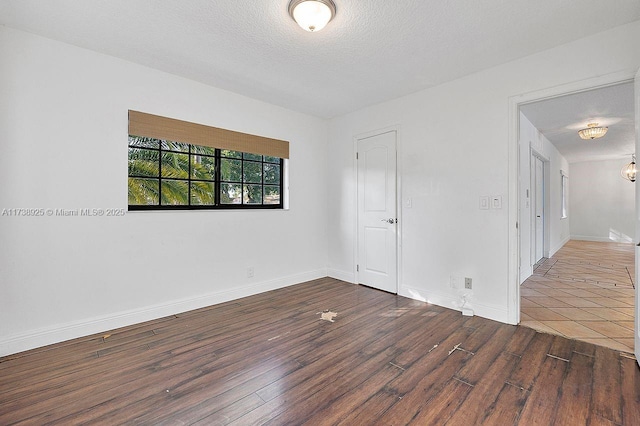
(563, 221)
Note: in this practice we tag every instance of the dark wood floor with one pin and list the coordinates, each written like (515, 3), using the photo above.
(270, 359)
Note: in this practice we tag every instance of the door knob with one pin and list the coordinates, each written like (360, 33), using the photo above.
(390, 220)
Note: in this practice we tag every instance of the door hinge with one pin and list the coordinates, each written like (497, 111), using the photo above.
(356, 156)
(357, 268)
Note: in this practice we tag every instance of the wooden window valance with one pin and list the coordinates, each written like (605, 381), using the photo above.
(157, 127)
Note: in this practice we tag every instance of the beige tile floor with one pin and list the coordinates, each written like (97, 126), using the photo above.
(585, 292)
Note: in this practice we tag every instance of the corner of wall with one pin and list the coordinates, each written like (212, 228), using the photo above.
(492, 312)
(553, 250)
(342, 275)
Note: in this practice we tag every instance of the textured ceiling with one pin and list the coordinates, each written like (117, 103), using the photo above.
(374, 50)
(559, 119)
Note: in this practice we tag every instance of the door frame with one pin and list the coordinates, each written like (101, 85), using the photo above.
(513, 287)
(636, 328)
(399, 225)
(546, 202)
(534, 210)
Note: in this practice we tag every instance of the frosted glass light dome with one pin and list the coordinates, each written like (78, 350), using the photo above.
(312, 15)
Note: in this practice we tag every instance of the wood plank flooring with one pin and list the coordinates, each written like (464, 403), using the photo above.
(271, 359)
(585, 291)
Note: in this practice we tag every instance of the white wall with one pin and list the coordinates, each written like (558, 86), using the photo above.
(532, 141)
(63, 144)
(601, 202)
(63, 127)
(454, 148)
(559, 228)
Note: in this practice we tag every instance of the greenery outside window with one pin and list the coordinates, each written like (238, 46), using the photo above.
(169, 175)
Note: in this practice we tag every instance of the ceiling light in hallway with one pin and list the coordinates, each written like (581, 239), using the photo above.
(593, 131)
(629, 171)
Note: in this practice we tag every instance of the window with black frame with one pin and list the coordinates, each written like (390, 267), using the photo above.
(174, 175)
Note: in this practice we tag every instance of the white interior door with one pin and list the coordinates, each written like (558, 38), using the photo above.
(377, 218)
(539, 210)
(637, 274)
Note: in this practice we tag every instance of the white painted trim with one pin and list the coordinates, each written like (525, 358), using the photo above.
(636, 328)
(356, 138)
(399, 209)
(590, 238)
(513, 213)
(346, 276)
(356, 277)
(534, 152)
(546, 210)
(598, 239)
(75, 329)
(612, 79)
(513, 285)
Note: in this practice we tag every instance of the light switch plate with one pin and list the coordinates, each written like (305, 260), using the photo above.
(496, 202)
(484, 202)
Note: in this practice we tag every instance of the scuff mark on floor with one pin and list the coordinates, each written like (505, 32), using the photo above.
(557, 357)
(454, 348)
(278, 336)
(327, 315)
(462, 381)
(397, 366)
(458, 348)
(395, 312)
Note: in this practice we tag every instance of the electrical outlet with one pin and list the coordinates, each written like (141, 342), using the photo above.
(250, 272)
(467, 283)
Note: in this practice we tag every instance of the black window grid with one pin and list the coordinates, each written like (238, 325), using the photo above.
(217, 181)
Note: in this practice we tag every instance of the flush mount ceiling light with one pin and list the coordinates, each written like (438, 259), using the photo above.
(629, 171)
(312, 15)
(593, 131)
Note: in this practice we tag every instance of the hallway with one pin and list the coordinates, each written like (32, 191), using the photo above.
(585, 292)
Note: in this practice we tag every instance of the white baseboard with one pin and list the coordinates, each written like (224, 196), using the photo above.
(553, 250)
(342, 275)
(600, 239)
(86, 327)
(492, 312)
(589, 238)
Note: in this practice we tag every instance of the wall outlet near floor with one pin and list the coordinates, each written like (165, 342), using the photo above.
(467, 283)
(250, 272)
